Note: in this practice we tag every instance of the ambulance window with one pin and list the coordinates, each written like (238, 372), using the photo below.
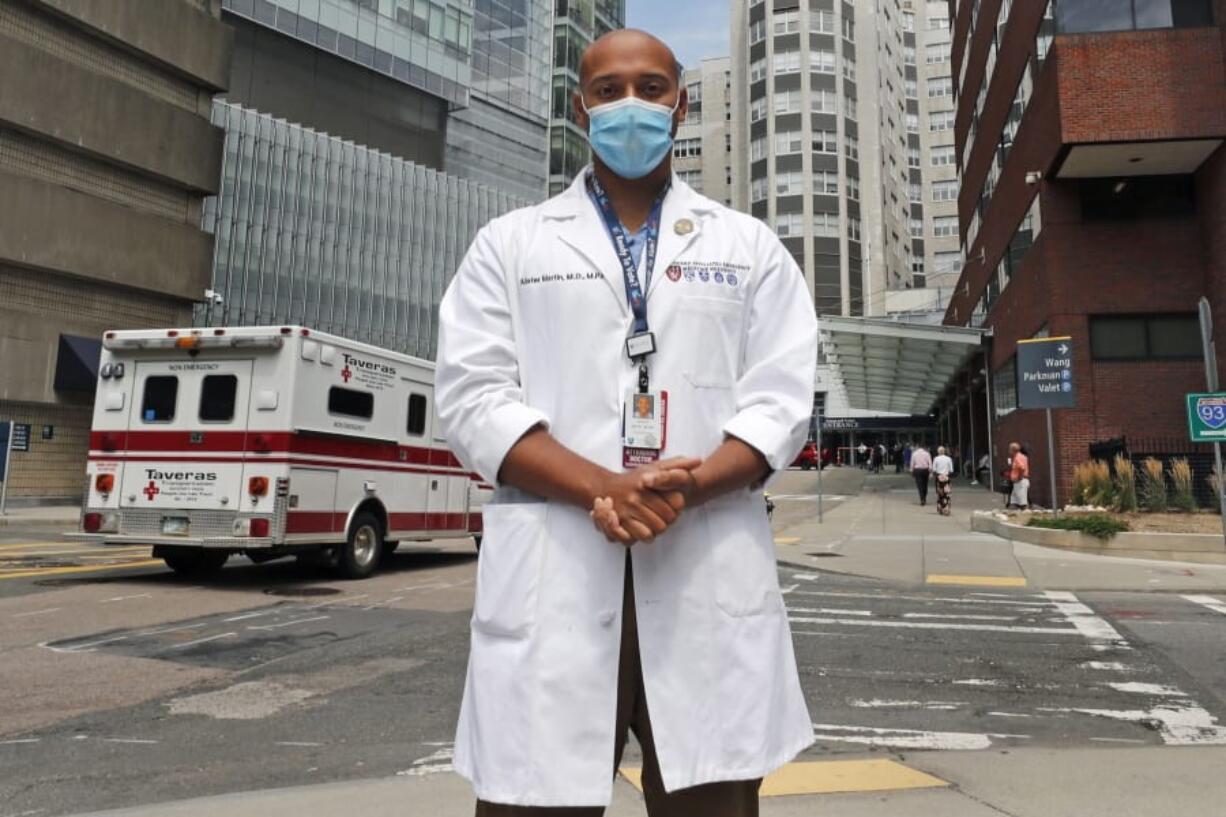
(351, 403)
(417, 414)
(217, 397)
(161, 393)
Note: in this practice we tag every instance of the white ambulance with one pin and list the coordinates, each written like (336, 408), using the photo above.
(269, 441)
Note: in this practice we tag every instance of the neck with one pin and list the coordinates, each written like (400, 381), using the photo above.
(632, 198)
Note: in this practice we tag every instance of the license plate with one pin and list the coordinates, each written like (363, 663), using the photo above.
(175, 525)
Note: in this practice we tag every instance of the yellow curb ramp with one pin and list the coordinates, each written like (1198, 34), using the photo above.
(831, 777)
(977, 581)
(787, 540)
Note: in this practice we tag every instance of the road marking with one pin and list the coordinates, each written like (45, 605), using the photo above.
(56, 571)
(126, 598)
(438, 762)
(1138, 688)
(1101, 635)
(787, 540)
(977, 581)
(88, 646)
(1179, 723)
(1118, 740)
(1107, 666)
(160, 630)
(960, 616)
(36, 612)
(1040, 605)
(204, 640)
(932, 625)
(1208, 601)
(296, 743)
(937, 706)
(830, 777)
(129, 740)
(286, 623)
(807, 577)
(19, 740)
(245, 616)
(908, 738)
(975, 682)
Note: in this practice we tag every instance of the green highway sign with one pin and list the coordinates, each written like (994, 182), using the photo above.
(1207, 417)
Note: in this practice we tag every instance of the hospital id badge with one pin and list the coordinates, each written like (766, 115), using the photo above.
(645, 428)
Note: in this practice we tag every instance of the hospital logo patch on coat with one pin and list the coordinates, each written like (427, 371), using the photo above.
(704, 275)
(731, 279)
(674, 273)
(690, 275)
(719, 277)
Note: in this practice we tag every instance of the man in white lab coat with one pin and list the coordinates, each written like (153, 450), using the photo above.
(627, 577)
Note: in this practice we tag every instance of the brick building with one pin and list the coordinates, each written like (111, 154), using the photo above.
(1093, 204)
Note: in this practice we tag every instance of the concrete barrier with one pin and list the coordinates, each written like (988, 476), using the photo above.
(1201, 548)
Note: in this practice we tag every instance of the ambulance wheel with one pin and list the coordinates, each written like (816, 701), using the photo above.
(360, 554)
(193, 562)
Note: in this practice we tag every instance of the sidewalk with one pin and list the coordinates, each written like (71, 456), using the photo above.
(1144, 782)
(60, 518)
(884, 533)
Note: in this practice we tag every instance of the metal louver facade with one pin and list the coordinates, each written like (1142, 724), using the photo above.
(322, 232)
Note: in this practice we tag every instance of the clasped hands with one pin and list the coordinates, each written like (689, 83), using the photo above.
(639, 505)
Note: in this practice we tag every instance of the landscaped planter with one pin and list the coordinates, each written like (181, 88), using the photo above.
(1176, 547)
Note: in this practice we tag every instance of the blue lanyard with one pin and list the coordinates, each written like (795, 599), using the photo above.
(621, 245)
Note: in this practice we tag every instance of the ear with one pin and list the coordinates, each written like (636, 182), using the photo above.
(683, 109)
(576, 104)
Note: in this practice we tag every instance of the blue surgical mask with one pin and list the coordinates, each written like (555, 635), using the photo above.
(631, 136)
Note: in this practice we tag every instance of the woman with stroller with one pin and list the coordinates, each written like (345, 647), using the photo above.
(942, 472)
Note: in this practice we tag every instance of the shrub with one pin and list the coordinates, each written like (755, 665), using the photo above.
(1153, 485)
(1092, 484)
(1125, 484)
(1182, 495)
(1214, 479)
(1098, 525)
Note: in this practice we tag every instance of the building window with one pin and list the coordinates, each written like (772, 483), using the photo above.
(826, 225)
(1081, 16)
(757, 110)
(1004, 388)
(853, 188)
(917, 191)
(947, 262)
(787, 102)
(789, 225)
(940, 86)
(917, 228)
(913, 123)
(218, 394)
(853, 228)
(351, 403)
(759, 189)
(941, 120)
(787, 62)
(161, 395)
(825, 141)
(826, 182)
(935, 23)
(937, 53)
(691, 177)
(757, 70)
(1145, 337)
(913, 157)
(789, 142)
(417, 415)
(757, 149)
(943, 226)
(790, 183)
(822, 62)
(687, 148)
(945, 191)
(757, 32)
(908, 55)
(787, 22)
(853, 148)
(821, 22)
(1122, 199)
(942, 156)
(825, 102)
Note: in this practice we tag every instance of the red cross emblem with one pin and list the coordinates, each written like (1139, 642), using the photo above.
(151, 490)
(346, 374)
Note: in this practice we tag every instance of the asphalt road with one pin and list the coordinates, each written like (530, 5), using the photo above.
(123, 684)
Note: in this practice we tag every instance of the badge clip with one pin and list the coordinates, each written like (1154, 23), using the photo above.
(641, 345)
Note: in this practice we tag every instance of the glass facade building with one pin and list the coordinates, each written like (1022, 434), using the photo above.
(424, 43)
(501, 139)
(319, 231)
(576, 24)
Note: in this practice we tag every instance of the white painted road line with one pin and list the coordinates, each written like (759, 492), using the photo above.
(1021, 604)
(19, 740)
(930, 625)
(1101, 635)
(130, 740)
(296, 743)
(286, 623)
(1210, 602)
(204, 640)
(1180, 723)
(960, 616)
(907, 738)
(127, 598)
(88, 646)
(36, 612)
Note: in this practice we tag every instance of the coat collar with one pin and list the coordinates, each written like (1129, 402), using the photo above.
(587, 235)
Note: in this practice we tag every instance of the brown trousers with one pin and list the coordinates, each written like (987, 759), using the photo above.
(737, 798)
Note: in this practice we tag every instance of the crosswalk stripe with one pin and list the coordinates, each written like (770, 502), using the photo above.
(830, 777)
(1210, 602)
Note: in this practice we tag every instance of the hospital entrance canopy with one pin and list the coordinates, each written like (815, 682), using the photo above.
(895, 367)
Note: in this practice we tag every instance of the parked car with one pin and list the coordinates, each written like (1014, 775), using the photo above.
(807, 458)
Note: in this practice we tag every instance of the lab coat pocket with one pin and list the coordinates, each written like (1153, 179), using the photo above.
(746, 582)
(711, 330)
(509, 568)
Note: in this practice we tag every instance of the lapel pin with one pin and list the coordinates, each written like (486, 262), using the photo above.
(684, 227)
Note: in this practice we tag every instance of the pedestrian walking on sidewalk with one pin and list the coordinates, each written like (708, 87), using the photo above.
(921, 467)
(943, 473)
(896, 455)
(1019, 477)
(627, 579)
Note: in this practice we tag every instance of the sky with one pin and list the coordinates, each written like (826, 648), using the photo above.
(694, 28)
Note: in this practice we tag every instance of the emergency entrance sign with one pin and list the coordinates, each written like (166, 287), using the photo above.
(1207, 417)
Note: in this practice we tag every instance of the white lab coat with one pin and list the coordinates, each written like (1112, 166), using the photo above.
(532, 332)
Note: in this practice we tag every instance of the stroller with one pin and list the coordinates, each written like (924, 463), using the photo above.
(945, 493)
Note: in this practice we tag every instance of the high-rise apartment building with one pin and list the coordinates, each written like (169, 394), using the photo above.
(576, 24)
(847, 124)
(1093, 206)
(702, 151)
(106, 154)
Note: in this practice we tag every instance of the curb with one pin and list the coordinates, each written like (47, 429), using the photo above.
(1198, 548)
